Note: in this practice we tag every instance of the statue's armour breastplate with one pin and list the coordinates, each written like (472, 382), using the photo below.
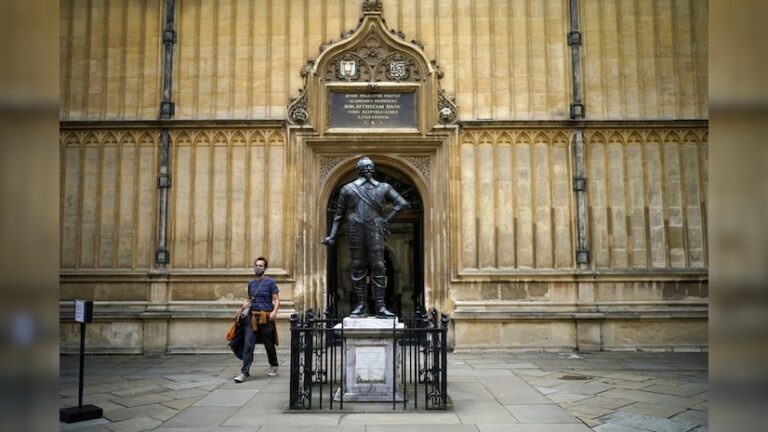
(363, 210)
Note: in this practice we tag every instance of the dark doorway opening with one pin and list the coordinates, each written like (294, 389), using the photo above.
(403, 256)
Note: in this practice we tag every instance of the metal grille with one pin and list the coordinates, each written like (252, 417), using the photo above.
(317, 363)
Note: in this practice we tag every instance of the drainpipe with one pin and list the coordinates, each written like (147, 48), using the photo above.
(579, 163)
(167, 109)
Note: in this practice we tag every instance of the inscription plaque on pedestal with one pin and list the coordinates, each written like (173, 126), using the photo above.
(371, 360)
(364, 110)
(369, 364)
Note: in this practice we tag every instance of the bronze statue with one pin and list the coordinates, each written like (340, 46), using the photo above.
(367, 229)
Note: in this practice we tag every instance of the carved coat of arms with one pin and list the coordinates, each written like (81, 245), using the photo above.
(398, 69)
(347, 68)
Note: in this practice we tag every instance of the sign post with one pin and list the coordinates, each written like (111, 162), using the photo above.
(83, 315)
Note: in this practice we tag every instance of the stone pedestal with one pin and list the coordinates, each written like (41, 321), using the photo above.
(369, 357)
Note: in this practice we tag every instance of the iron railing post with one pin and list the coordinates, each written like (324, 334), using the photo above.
(294, 369)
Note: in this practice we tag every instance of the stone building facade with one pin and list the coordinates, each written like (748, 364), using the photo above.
(555, 152)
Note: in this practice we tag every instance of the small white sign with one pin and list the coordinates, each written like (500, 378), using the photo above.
(83, 311)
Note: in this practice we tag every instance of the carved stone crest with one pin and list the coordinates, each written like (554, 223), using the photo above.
(398, 69)
(347, 68)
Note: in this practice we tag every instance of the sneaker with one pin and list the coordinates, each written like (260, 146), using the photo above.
(272, 371)
(241, 377)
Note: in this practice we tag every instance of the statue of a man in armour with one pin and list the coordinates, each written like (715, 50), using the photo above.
(363, 202)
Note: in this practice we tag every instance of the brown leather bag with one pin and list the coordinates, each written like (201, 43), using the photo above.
(232, 331)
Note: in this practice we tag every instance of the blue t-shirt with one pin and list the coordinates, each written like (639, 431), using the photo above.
(260, 293)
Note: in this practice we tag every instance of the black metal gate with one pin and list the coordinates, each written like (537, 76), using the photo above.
(317, 363)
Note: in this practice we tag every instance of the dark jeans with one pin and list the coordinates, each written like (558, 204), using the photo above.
(267, 332)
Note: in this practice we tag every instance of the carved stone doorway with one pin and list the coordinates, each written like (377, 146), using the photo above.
(404, 253)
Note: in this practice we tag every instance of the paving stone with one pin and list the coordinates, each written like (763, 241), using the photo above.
(142, 400)
(648, 397)
(604, 402)
(567, 398)
(421, 428)
(316, 428)
(526, 373)
(227, 398)
(609, 427)
(185, 393)
(589, 421)
(202, 416)
(655, 410)
(511, 390)
(461, 378)
(93, 389)
(134, 425)
(570, 427)
(540, 414)
(701, 406)
(623, 376)
(698, 417)
(140, 411)
(582, 411)
(266, 405)
(481, 372)
(483, 411)
(624, 384)
(66, 427)
(656, 424)
(483, 361)
(547, 382)
(400, 418)
(104, 401)
(196, 384)
(180, 404)
(140, 391)
(206, 429)
(468, 391)
(546, 390)
(584, 388)
(686, 390)
(299, 419)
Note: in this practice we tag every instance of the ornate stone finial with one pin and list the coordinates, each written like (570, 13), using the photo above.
(438, 70)
(298, 110)
(446, 108)
(372, 6)
(307, 69)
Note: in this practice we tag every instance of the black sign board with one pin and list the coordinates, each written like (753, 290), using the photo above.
(366, 110)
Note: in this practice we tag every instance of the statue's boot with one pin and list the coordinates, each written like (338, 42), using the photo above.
(362, 300)
(379, 285)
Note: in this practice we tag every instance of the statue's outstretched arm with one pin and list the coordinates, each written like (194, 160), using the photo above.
(341, 209)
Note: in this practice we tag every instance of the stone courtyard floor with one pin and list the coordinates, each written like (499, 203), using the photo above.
(493, 392)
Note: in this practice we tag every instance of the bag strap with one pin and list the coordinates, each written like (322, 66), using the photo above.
(257, 288)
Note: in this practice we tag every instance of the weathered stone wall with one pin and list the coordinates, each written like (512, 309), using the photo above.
(500, 183)
(503, 60)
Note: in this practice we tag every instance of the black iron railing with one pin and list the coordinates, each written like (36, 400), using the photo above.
(318, 372)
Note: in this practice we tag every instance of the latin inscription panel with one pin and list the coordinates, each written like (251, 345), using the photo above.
(373, 110)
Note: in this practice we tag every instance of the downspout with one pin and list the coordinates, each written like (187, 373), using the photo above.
(167, 109)
(579, 163)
